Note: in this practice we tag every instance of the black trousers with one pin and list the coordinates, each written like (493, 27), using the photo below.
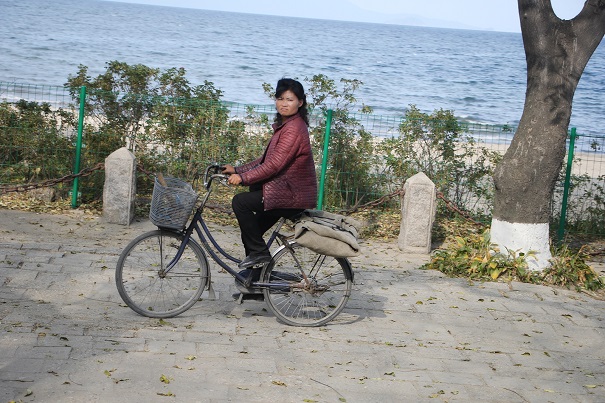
(254, 221)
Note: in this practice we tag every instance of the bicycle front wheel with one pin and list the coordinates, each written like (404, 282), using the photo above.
(145, 285)
(310, 299)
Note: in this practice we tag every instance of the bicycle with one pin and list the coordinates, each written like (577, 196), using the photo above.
(163, 273)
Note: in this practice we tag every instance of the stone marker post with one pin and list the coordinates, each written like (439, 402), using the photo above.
(119, 190)
(418, 208)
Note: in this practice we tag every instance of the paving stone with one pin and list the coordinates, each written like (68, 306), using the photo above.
(405, 335)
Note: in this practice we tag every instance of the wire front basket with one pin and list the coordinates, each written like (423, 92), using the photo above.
(171, 205)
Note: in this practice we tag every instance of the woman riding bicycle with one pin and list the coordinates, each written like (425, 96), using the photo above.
(282, 181)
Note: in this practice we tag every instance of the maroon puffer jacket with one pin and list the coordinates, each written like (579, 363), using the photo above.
(286, 170)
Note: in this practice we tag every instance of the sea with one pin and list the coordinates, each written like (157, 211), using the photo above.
(479, 75)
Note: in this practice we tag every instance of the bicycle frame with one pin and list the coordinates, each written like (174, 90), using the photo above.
(198, 225)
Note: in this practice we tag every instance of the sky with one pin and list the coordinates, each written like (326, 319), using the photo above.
(492, 15)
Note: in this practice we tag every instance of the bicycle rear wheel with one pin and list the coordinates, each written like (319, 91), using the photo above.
(313, 301)
(143, 283)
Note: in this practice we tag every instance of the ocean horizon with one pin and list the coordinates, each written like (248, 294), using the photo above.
(479, 75)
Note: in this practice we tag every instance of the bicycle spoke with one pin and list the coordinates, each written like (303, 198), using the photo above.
(306, 289)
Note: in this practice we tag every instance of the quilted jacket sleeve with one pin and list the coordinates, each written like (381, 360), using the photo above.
(248, 166)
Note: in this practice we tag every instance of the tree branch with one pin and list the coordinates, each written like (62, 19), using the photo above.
(589, 25)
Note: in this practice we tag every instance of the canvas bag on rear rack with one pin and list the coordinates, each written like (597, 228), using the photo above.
(327, 233)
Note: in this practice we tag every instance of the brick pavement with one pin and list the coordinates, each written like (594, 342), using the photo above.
(405, 335)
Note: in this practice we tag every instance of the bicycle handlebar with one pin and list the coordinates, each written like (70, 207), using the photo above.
(213, 171)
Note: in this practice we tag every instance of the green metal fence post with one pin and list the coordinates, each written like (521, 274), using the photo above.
(570, 152)
(324, 162)
(74, 190)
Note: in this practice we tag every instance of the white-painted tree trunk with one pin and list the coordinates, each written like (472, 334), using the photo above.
(518, 237)
(556, 52)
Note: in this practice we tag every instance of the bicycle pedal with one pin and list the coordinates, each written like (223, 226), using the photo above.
(246, 290)
(251, 275)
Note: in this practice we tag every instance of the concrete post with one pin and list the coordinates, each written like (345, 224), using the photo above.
(418, 208)
(119, 190)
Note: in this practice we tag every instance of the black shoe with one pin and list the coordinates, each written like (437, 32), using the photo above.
(252, 274)
(255, 260)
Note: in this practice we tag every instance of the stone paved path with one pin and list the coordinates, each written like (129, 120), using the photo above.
(407, 335)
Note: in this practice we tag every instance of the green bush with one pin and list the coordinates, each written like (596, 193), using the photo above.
(169, 125)
(36, 142)
(434, 144)
(351, 178)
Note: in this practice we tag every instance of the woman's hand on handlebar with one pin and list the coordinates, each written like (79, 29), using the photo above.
(234, 179)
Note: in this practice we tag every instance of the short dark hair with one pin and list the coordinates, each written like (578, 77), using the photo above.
(297, 88)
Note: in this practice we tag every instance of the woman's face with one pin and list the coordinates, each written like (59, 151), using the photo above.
(287, 104)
